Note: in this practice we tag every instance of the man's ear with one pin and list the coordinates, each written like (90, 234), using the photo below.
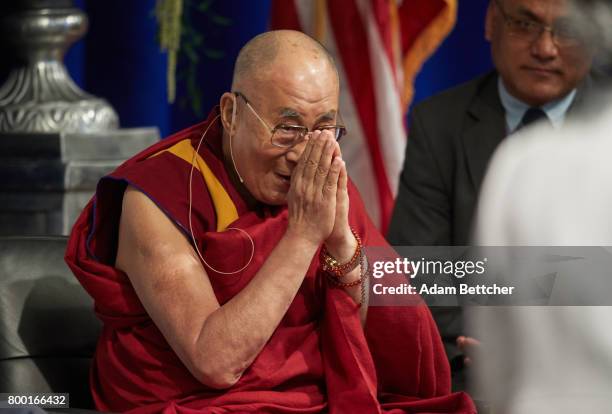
(489, 23)
(228, 112)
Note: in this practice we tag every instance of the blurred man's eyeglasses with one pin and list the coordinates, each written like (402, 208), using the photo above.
(564, 34)
(287, 136)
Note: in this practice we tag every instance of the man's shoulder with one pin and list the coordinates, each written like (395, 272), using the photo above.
(454, 102)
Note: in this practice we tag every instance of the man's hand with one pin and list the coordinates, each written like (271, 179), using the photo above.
(469, 347)
(341, 243)
(312, 197)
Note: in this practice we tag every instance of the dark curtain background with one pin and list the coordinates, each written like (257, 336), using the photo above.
(462, 56)
(119, 58)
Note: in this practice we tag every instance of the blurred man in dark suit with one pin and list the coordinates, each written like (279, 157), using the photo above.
(542, 64)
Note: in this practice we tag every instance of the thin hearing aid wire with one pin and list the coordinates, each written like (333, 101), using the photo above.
(195, 244)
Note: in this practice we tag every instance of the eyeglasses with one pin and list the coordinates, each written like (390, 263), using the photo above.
(287, 136)
(564, 34)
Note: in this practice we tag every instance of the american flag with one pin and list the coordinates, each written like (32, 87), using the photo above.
(379, 46)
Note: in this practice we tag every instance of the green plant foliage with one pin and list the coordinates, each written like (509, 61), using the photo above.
(168, 14)
(186, 44)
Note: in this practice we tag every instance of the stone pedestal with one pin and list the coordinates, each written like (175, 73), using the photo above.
(47, 178)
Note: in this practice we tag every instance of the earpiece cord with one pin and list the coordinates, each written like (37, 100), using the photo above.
(195, 244)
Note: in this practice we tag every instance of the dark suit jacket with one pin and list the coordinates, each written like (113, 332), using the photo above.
(452, 137)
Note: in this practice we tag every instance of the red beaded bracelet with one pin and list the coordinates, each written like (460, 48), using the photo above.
(363, 279)
(336, 282)
(333, 267)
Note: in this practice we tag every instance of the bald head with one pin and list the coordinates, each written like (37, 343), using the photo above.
(258, 57)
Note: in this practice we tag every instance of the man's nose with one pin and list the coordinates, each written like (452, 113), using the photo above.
(295, 152)
(544, 47)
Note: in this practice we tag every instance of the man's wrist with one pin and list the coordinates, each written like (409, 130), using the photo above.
(301, 241)
(342, 249)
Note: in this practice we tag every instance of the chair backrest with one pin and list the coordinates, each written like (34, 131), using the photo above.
(48, 329)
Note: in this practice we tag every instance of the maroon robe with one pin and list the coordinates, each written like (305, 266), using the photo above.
(317, 360)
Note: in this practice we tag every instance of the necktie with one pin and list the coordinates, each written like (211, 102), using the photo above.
(533, 115)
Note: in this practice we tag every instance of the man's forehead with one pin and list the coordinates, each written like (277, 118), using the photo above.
(288, 63)
(302, 81)
(537, 9)
(289, 112)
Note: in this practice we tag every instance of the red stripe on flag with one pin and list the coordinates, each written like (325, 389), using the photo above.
(382, 16)
(284, 15)
(352, 44)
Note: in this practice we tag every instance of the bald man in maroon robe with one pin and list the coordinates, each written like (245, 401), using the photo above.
(202, 254)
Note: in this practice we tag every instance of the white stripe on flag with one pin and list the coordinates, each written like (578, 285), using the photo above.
(391, 131)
